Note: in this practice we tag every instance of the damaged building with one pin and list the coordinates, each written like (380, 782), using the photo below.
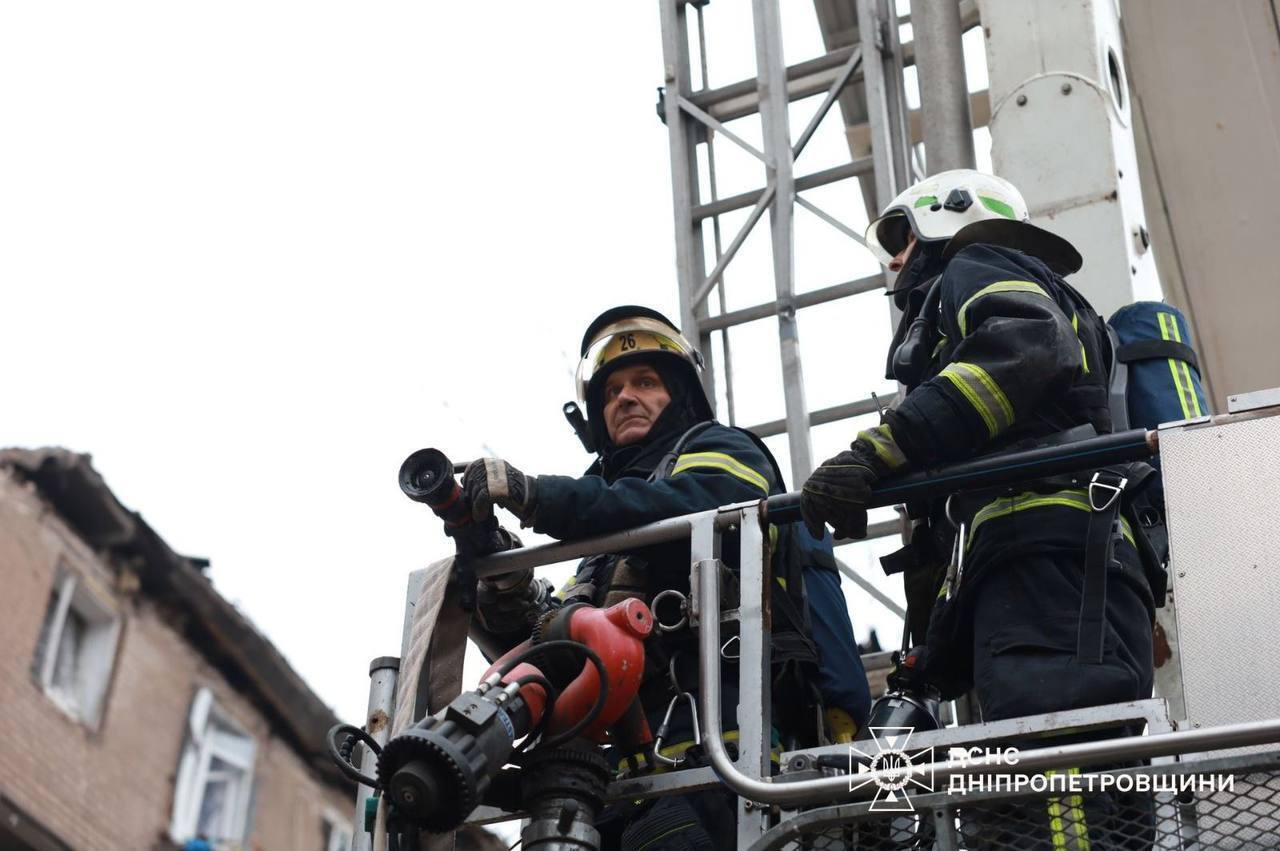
(138, 708)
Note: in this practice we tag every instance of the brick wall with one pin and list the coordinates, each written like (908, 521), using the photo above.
(112, 788)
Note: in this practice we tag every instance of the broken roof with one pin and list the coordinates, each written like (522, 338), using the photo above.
(228, 639)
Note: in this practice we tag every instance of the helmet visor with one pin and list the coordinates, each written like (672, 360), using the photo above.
(889, 234)
(626, 339)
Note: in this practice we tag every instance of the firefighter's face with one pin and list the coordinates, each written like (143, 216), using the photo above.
(900, 260)
(634, 396)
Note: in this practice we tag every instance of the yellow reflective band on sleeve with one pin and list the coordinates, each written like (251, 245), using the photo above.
(982, 392)
(1075, 326)
(1181, 372)
(723, 462)
(962, 315)
(887, 450)
(1076, 498)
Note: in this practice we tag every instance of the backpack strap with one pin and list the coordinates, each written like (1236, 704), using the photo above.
(1117, 383)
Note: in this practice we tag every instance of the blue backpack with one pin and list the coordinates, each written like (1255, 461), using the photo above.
(1155, 378)
(1155, 374)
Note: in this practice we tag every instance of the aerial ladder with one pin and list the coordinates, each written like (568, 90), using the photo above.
(1053, 68)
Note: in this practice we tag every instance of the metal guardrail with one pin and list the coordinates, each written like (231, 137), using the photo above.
(1245, 817)
(988, 471)
(750, 774)
(767, 790)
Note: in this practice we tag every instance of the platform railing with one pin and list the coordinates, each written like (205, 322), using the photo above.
(749, 775)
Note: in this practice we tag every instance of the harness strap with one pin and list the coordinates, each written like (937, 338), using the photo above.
(1105, 491)
(668, 463)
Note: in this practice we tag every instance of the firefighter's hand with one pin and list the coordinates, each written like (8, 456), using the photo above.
(837, 493)
(492, 481)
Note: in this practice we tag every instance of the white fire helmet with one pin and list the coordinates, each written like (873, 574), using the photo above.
(962, 207)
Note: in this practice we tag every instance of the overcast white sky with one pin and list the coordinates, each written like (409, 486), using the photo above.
(254, 253)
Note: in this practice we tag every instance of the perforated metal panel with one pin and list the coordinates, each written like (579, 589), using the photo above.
(1222, 487)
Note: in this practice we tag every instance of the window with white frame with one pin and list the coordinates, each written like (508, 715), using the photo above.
(215, 776)
(77, 648)
(337, 832)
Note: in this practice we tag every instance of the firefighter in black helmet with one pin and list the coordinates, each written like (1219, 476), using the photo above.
(660, 454)
(1036, 597)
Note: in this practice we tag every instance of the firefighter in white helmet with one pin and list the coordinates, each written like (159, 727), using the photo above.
(1035, 596)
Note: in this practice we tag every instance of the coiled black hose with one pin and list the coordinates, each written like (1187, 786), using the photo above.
(341, 753)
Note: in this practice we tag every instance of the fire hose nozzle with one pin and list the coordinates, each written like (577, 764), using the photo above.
(426, 476)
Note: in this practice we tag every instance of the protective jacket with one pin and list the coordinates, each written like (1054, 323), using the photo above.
(1012, 357)
(1011, 360)
(711, 465)
(717, 466)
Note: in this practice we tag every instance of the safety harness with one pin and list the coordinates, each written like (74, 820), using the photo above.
(793, 653)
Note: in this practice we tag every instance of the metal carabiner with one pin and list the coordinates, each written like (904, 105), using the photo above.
(664, 728)
(684, 610)
(1105, 492)
(946, 512)
(955, 570)
(724, 650)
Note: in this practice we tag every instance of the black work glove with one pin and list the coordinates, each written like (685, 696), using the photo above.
(510, 602)
(492, 481)
(838, 492)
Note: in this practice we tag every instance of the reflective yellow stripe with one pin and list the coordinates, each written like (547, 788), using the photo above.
(569, 585)
(1077, 818)
(994, 389)
(962, 315)
(983, 393)
(963, 387)
(1056, 833)
(1072, 498)
(1173, 366)
(1188, 401)
(887, 450)
(1075, 326)
(721, 461)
